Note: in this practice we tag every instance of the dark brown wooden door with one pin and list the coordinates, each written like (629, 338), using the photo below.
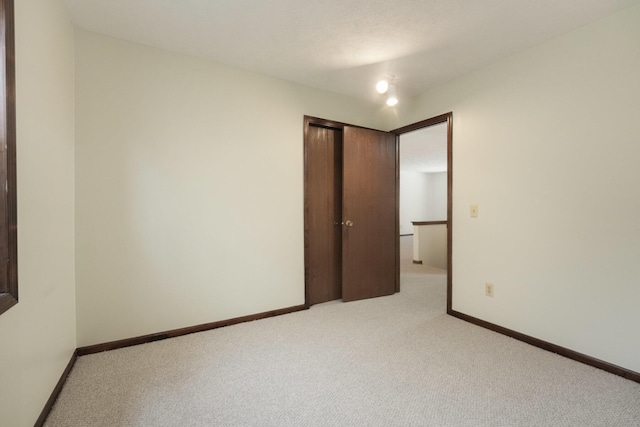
(324, 211)
(369, 214)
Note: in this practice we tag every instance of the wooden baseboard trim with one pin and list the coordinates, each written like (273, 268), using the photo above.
(562, 351)
(128, 342)
(406, 235)
(417, 262)
(56, 391)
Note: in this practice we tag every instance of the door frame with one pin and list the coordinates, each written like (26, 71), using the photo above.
(448, 119)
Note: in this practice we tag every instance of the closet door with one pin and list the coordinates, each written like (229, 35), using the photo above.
(369, 220)
(323, 208)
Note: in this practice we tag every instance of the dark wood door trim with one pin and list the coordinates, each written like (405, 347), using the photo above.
(448, 119)
(442, 118)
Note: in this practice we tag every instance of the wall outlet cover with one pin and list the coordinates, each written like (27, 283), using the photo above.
(488, 289)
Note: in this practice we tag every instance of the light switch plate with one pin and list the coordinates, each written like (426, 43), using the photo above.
(474, 211)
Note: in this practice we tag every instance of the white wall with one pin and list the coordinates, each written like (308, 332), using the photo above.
(546, 143)
(38, 335)
(437, 199)
(414, 205)
(423, 197)
(189, 179)
(430, 245)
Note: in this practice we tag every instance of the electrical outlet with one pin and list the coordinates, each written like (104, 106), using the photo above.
(473, 211)
(488, 289)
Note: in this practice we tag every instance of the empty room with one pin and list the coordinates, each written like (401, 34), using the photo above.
(203, 219)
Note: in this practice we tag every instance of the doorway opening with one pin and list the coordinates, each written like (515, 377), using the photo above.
(425, 230)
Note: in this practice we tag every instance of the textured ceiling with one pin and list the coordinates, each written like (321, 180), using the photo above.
(343, 46)
(424, 150)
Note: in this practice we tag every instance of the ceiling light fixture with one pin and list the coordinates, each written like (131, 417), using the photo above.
(382, 86)
(392, 96)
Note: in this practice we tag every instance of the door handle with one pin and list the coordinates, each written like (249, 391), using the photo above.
(348, 223)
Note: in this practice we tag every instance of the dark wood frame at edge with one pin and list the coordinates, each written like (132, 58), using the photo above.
(9, 289)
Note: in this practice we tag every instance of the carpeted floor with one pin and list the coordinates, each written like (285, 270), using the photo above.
(391, 361)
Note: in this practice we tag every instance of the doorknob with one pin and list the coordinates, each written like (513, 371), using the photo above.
(348, 223)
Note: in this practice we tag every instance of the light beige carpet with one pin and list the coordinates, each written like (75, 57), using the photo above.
(392, 361)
